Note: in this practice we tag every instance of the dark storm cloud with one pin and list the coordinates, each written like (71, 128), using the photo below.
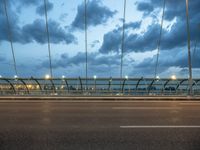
(36, 32)
(96, 14)
(41, 9)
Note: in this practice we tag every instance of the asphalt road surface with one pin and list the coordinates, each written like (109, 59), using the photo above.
(111, 125)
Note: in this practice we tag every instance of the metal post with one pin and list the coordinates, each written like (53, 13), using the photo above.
(95, 85)
(189, 54)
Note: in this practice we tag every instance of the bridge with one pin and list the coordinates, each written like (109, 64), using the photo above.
(89, 113)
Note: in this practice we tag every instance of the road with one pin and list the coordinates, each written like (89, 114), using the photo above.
(99, 125)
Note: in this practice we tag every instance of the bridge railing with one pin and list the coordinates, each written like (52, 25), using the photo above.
(97, 87)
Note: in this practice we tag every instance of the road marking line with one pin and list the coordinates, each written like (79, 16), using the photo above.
(192, 104)
(147, 108)
(157, 126)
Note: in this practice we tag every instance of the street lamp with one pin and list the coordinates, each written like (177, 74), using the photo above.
(95, 77)
(173, 77)
(47, 76)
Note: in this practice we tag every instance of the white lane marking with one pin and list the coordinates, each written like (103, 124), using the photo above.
(192, 104)
(147, 108)
(157, 126)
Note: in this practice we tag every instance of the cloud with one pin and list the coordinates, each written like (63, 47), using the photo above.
(132, 42)
(94, 59)
(146, 7)
(57, 34)
(13, 24)
(27, 2)
(41, 9)
(97, 14)
(63, 17)
(175, 37)
(32, 32)
(101, 65)
(177, 58)
(35, 31)
(94, 43)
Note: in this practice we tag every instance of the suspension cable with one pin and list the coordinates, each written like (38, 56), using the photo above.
(194, 52)
(48, 38)
(86, 47)
(195, 47)
(159, 40)
(10, 38)
(122, 42)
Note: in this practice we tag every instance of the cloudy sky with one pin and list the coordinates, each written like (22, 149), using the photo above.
(105, 19)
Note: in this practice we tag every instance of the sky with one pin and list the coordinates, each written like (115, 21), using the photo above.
(104, 22)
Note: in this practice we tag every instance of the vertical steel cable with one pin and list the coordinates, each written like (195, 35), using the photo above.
(10, 37)
(189, 46)
(122, 42)
(159, 40)
(86, 48)
(194, 52)
(48, 38)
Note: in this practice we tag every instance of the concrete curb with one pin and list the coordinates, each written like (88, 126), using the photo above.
(120, 98)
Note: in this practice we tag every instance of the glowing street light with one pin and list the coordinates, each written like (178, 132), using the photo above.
(157, 77)
(47, 76)
(173, 77)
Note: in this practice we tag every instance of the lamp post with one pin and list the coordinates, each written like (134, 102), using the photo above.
(95, 77)
(189, 53)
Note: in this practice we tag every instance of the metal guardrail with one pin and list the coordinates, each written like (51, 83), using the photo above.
(97, 86)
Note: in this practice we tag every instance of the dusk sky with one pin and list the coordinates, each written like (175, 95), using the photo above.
(66, 29)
